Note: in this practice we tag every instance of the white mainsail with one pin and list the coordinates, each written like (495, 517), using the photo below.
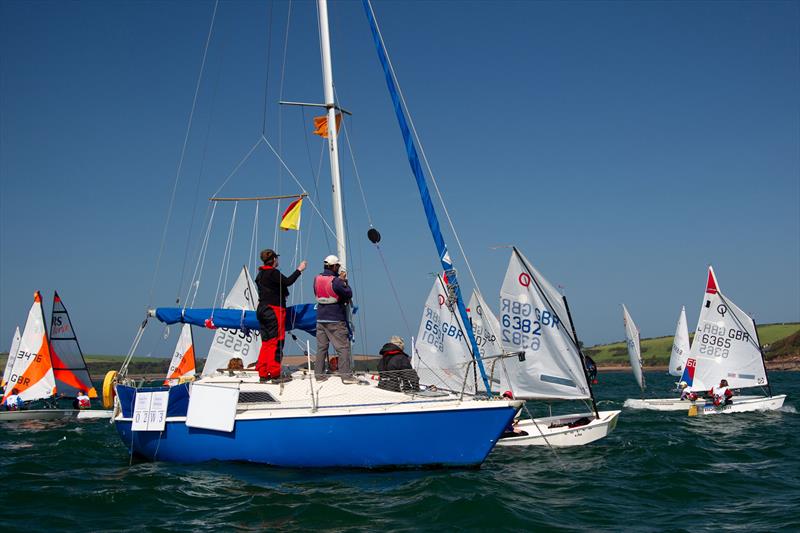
(441, 354)
(534, 318)
(725, 344)
(12, 355)
(680, 346)
(634, 347)
(32, 374)
(486, 329)
(230, 343)
(183, 362)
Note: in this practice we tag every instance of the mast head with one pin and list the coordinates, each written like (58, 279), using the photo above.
(711, 284)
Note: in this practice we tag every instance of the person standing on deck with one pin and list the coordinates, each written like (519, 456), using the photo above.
(273, 288)
(333, 293)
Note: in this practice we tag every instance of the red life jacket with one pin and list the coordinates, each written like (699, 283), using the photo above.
(323, 290)
(84, 402)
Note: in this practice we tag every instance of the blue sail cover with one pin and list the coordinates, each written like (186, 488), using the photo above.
(422, 185)
(300, 317)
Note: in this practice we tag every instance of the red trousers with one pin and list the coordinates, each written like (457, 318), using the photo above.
(272, 319)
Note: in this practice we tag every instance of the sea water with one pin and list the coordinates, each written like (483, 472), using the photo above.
(657, 471)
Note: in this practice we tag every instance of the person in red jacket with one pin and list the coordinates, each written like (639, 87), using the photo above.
(273, 288)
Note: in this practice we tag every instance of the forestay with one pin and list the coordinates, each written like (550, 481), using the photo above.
(69, 367)
(32, 373)
(229, 343)
(534, 318)
(725, 344)
(634, 347)
(486, 329)
(182, 365)
(680, 346)
(12, 354)
(441, 353)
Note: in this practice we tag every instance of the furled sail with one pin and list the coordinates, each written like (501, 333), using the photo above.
(534, 318)
(32, 374)
(229, 342)
(182, 365)
(486, 329)
(69, 367)
(441, 354)
(632, 340)
(725, 344)
(12, 354)
(680, 346)
(301, 317)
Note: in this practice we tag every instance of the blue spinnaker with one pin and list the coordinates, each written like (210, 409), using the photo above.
(301, 317)
(422, 184)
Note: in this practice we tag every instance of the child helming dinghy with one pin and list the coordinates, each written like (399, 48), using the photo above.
(543, 359)
(726, 355)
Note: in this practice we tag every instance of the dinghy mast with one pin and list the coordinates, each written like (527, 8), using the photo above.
(763, 359)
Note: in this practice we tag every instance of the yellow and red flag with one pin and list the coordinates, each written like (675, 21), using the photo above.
(321, 125)
(291, 217)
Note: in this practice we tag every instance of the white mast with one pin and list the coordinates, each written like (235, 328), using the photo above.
(330, 104)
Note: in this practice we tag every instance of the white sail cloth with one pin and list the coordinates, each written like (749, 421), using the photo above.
(632, 339)
(12, 354)
(441, 354)
(725, 344)
(534, 318)
(231, 343)
(32, 373)
(680, 346)
(486, 329)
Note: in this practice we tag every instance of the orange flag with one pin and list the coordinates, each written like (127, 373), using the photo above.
(321, 125)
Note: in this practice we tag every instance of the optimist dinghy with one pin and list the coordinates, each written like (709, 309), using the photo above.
(726, 346)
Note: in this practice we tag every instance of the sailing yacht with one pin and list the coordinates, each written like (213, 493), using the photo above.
(229, 415)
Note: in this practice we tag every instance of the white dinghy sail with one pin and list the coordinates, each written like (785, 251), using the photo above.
(32, 374)
(726, 347)
(535, 319)
(633, 342)
(441, 354)
(680, 346)
(235, 343)
(12, 352)
(182, 365)
(486, 329)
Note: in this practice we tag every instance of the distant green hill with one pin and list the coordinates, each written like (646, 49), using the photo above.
(655, 352)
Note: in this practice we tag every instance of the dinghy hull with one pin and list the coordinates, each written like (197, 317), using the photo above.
(555, 430)
(741, 405)
(667, 404)
(447, 438)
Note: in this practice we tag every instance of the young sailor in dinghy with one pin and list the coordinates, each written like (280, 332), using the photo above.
(686, 392)
(13, 401)
(721, 394)
(82, 401)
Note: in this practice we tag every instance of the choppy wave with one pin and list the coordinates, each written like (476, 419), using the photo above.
(656, 471)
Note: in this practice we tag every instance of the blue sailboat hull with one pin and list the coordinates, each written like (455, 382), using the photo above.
(451, 438)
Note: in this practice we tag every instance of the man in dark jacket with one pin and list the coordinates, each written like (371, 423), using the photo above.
(272, 292)
(394, 368)
(333, 294)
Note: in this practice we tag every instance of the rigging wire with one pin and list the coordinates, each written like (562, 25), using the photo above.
(202, 169)
(225, 258)
(266, 76)
(422, 153)
(280, 122)
(183, 155)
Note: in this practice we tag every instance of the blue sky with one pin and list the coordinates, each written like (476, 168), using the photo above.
(623, 146)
